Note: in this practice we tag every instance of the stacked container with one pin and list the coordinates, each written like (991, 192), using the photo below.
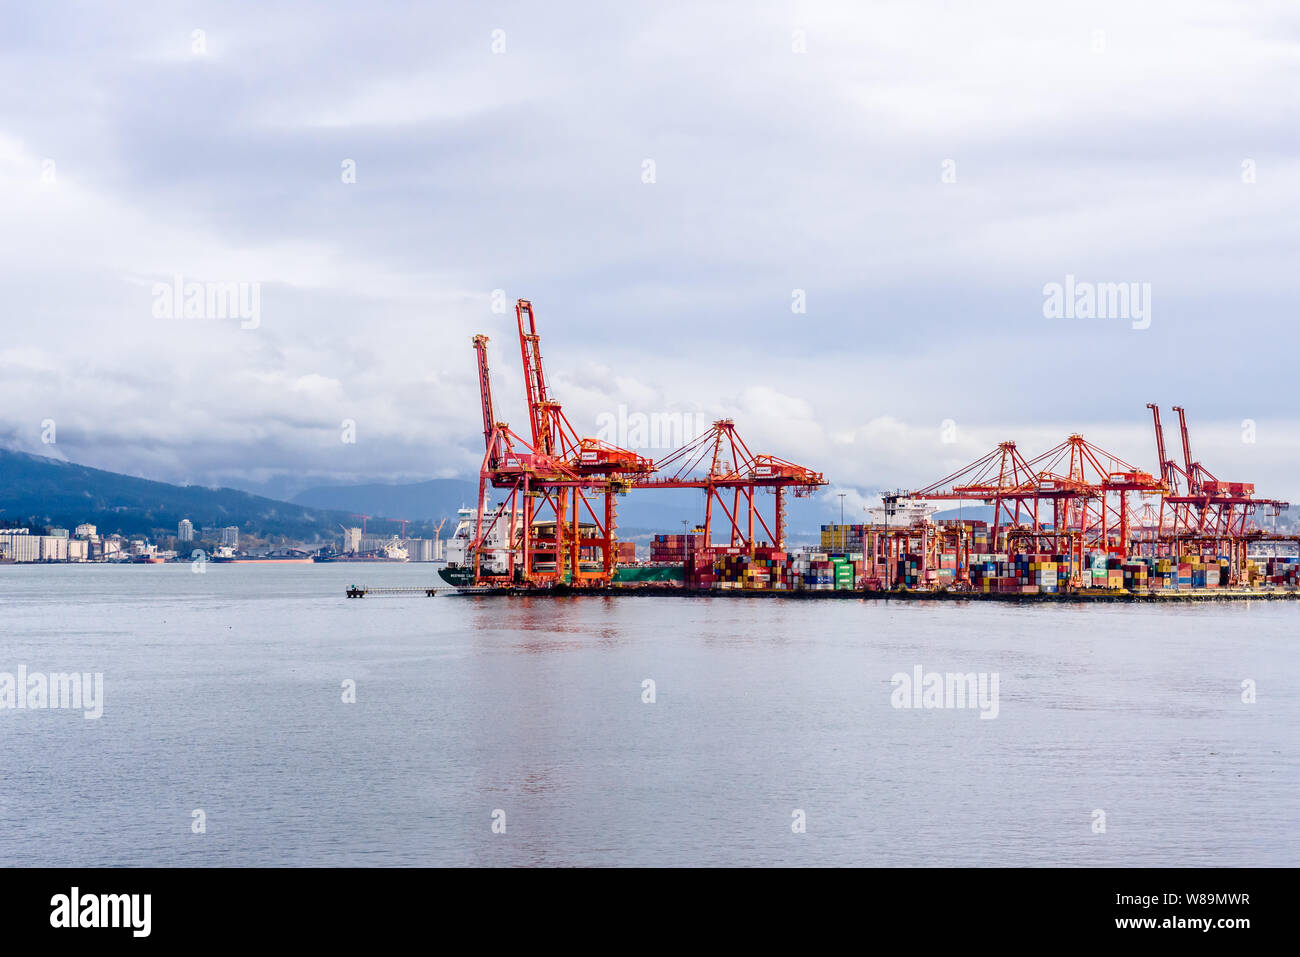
(907, 571)
(841, 539)
(1199, 571)
(767, 569)
(1136, 575)
(843, 574)
(820, 575)
(675, 549)
(1025, 573)
(947, 571)
(1280, 571)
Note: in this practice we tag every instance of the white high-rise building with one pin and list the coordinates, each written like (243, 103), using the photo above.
(230, 536)
(351, 540)
(185, 530)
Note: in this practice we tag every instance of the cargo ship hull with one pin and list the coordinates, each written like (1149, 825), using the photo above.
(367, 559)
(261, 561)
(456, 575)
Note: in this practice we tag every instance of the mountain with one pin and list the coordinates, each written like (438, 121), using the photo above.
(56, 493)
(52, 492)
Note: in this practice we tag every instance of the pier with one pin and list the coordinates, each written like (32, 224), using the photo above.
(361, 591)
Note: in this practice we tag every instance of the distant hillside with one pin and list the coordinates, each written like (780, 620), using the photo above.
(970, 513)
(56, 493)
(49, 492)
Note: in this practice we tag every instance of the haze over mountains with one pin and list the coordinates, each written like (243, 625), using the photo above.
(660, 510)
(45, 491)
(52, 492)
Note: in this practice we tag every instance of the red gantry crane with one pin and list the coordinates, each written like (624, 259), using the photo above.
(721, 464)
(1070, 500)
(1090, 491)
(1001, 478)
(1207, 516)
(559, 515)
(558, 518)
(1090, 495)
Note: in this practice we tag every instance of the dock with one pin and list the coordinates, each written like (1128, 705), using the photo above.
(361, 591)
(1082, 596)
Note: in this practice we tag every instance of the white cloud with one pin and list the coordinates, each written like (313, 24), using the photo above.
(776, 171)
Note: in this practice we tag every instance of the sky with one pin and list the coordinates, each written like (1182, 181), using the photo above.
(835, 223)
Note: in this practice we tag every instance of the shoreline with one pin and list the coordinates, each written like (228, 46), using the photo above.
(844, 595)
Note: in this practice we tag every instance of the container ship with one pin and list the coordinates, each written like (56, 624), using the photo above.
(493, 560)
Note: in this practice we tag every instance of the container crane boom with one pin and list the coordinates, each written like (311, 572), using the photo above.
(539, 405)
(1193, 470)
(491, 436)
(1166, 473)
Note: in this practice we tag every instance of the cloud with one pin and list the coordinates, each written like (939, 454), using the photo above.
(1114, 155)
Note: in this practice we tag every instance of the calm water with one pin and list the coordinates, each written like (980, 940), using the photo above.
(223, 692)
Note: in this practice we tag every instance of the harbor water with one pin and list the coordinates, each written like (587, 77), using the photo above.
(635, 730)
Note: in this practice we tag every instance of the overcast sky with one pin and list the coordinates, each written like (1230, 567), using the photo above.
(921, 171)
